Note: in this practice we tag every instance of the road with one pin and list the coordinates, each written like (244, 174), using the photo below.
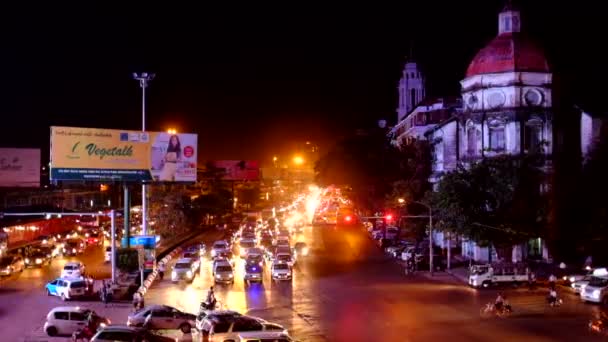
(346, 290)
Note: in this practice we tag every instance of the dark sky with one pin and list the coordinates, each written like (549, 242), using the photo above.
(253, 80)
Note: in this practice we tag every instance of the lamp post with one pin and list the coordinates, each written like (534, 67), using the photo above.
(430, 216)
(143, 79)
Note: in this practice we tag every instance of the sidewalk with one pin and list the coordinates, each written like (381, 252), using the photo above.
(457, 275)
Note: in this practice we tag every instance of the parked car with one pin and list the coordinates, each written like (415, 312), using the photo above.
(161, 317)
(257, 336)
(65, 320)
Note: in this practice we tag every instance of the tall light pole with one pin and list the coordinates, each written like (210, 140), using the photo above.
(143, 79)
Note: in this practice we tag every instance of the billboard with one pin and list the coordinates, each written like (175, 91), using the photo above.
(96, 154)
(20, 167)
(238, 169)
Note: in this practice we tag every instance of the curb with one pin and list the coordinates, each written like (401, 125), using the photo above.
(175, 250)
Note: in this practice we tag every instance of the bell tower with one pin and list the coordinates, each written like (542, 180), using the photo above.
(411, 89)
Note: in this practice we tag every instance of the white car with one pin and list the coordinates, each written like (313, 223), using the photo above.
(223, 272)
(157, 317)
(219, 246)
(72, 269)
(108, 254)
(257, 336)
(67, 288)
(256, 251)
(244, 246)
(281, 271)
(115, 333)
(65, 320)
(286, 258)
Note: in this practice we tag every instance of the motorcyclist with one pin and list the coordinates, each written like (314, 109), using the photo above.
(210, 301)
(552, 296)
(499, 302)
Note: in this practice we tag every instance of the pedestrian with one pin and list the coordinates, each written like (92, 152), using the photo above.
(161, 270)
(104, 294)
(552, 280)
(135, 301)
(109, 293)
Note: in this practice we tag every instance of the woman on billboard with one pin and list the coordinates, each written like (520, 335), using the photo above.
(172, 157)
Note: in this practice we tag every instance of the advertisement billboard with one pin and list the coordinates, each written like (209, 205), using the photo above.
(238, 169)
(96, 154)
(20, 167)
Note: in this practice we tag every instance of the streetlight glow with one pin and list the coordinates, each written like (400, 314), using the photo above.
(172, 131)
(401, 200)
(298, 160)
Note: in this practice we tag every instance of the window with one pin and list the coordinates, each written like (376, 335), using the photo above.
(62, 315)
(497, 138)
(119, 336)
(247, 325)
(221, 327)
(413, 75)
(78, 316)
(532, 137)
(507, 23)
(413, 98)
(472, 138)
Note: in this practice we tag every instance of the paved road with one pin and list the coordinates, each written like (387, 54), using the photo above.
(348, 291)
(345, 291)
(24, 303)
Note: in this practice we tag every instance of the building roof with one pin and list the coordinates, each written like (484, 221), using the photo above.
(508, 52)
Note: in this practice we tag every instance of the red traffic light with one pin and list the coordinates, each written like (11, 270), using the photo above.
(389, 217)
(348, 218)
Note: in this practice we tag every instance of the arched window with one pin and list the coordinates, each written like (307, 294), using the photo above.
(413, 98)
(472, 139)
(497, 135)
(533, 136)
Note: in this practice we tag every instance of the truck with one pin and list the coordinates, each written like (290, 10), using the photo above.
(483, 276)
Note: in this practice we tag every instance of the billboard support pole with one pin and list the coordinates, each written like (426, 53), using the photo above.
(113, 241)
(127, 215)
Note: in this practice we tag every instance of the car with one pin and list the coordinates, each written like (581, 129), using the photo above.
(228, 328)
(214, 315)
(50, 249)
(162, 317)
(184, 269)
(108, 254)
(280, 271)
(46, 239)
(286, 258)
(73, 247)
(244, 246)
(67, 288)
(282, 241)
(253, 273)
(115, 333)
(93, 238)
(72, 269)
(263, 336)
(11, 264)
(194, 257)
(255, 251)
(301, 249)
(37, 258)
(223, 272)
(391, 233)
(198, 248)
(255, 259)
(218, 247)
(65, 320)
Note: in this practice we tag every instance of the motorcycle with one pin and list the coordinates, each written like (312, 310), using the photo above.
(491, 310)
(554, 302)
(598, 326)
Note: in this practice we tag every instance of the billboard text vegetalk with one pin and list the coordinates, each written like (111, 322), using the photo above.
(96, 154)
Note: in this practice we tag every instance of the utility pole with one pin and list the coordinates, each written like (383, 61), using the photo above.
(143, 79)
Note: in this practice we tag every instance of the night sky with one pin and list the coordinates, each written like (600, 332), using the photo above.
(254, 80)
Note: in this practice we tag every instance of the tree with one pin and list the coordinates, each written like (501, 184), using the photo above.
(498, 201)
(168, 208)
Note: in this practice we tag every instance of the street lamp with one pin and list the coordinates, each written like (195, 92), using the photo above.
(274, 161)
(143, 79)
(172, 131)
(401, 200)
(298, 160)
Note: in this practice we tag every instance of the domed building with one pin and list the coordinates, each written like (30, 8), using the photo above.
(507, 96)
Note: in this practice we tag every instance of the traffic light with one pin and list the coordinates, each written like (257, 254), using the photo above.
(348, 218)
(389, 217)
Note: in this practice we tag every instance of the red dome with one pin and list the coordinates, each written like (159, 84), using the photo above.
(508, 52)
